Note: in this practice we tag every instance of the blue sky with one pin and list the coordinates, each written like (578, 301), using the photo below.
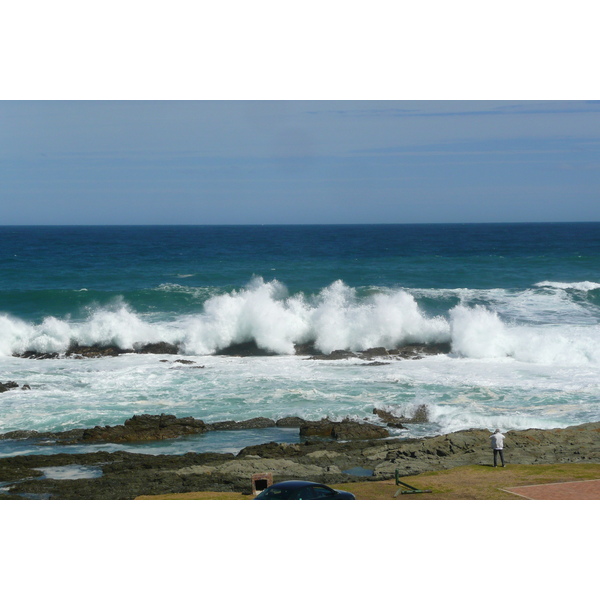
(254, 162)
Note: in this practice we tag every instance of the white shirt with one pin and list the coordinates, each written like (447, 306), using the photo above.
(497, 441)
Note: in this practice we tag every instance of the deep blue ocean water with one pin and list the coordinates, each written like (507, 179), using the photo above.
(519, 304)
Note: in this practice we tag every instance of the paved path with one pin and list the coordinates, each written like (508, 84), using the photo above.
(572, 490)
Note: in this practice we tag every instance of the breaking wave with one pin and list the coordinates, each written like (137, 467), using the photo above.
(582, 286)
(337, 318)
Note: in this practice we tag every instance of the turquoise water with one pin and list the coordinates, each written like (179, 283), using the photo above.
(519, 304)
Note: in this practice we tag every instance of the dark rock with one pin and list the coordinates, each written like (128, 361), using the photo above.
(322, 428)
(245, 349)
(8, 385)
(271, 450)
(33, 354)
(295, 422)
(307, 349)
(94, 351)
(351, 430)
(78, 351)
(375, 363)
(373, 352)
(345, 430)
(389, 419)
(257, 423)
(407, 351)
(20, 434)
(421, 416)
(157, 348)
(144, 428)
(336, 355)
(413, 351)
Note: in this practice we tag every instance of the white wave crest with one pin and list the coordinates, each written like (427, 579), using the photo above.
(582, 286)
(335, 320)
(340, 321)
(263, 312)
(117, 326)
(480, 333)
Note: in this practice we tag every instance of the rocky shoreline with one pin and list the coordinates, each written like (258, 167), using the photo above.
(323, 455)
(245, 349)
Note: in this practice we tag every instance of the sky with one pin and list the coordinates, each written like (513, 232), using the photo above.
(144, 162)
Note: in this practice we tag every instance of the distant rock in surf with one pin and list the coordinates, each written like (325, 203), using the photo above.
(244, 349)
(101, 351)
(391, 420)
(408, 351)
(11, 385)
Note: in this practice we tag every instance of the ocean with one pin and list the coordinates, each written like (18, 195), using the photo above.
(519, 305)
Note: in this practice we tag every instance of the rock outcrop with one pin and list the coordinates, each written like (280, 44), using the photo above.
(344, 430)
(144, 428)
(11, 385)
(246, 349)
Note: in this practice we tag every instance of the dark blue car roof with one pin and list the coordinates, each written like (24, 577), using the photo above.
(294, 484)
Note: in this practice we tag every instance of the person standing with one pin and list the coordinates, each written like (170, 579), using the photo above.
(497, 441)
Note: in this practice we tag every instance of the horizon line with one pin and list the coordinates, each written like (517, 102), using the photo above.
(374, 224)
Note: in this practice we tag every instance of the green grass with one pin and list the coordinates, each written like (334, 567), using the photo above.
(474, 482)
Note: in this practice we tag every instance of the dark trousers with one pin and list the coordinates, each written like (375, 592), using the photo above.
(496, 453)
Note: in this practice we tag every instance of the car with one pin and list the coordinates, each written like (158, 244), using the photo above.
(302, 490)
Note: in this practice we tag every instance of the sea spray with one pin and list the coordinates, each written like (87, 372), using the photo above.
(263, 312)
(480, 333)
(341, 322)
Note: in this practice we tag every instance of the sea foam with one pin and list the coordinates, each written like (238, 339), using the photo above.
(336, 318)
(583, 286)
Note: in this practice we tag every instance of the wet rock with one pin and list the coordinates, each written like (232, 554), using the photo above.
(335, 355)
(20, 434)
(8, 385)
(345, 430)
(351, 430)
(307, 349)
(389, 419)
(256, 423)
(421, 415)
(244, 349)
(33, 354)
(412, 351)
(94, 351)
(144, 428)
(375, 363)
(374, 352)
(158, 348)
(295, 422)
(408, 351)
(322, 428)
